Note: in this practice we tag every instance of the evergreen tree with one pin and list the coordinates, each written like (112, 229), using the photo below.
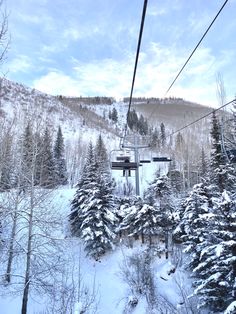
(208, 230)
(160, 195)
(109, 114)
(114, 115)
(221, 173)
(217, 158)
(60, 163)
(216, 270)
(142, 125)
(155, 139)
(92, 217)
(27, 158)
(6, 164)
(101, 154)
(176, 178)
(48, 174)
(179, 145)
(196, 221)
(141, 220)
(38, 139)
(132, 120)
(163, 135)
(102, 161)
(99, 221)
(203, 165)
(82, 192)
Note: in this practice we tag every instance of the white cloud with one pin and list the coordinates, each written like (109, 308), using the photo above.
(71, 33)
(157, 68)
(57, 83)
(159, 8)
(75, 32)
(155, 11)
(21, 63)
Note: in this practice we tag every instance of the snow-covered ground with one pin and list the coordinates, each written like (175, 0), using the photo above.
(99, 282)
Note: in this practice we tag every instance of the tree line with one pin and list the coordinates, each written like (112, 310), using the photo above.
(202, 221)
(36, 157)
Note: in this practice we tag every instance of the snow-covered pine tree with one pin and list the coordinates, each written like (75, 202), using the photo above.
(142, 125)
(176, 178)
(217, 160)
(179, 144)
(194, 225)
(210, 235)
(102, 156)
(6, 168)
(82, 192)
(160, 195)
(26, 158)
(132, 120)
(141, 220)
(216, 270)
(59, 159)
(203, 165)
(221, 171)
(48, 176)
(155, 140)
(92, 217)
(114, 115)
(163, 135)
(99, 220)
(38, 142)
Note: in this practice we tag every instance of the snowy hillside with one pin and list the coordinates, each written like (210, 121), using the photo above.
(78, 281)
(81, 119)
(74, 236)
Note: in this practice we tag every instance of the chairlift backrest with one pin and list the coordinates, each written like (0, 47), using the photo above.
(123, 158)
(160, 159)
(117, 165)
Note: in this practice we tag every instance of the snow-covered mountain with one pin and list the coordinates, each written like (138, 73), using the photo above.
(37, 247)
(74, 113)
(83, 118)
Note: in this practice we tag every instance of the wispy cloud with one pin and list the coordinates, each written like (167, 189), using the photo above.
(156, 70)
(20, 63)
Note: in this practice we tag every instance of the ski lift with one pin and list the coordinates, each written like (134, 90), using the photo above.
(123, 162)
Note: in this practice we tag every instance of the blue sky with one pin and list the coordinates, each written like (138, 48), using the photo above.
(87, 47)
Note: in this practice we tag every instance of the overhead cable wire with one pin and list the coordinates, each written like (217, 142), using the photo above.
(198, 44)
(206, 115)
(136, 62)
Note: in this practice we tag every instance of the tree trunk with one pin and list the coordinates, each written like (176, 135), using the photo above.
(28, 257)
(142, 237)
(166, 244)
(11, 248)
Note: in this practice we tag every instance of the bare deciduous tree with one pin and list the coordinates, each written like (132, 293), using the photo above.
(4, 39)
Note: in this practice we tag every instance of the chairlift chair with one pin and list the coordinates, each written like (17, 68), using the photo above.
(123, 162)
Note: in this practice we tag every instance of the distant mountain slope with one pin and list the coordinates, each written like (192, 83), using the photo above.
(82, 119)
(175, 113)
(20, 102)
